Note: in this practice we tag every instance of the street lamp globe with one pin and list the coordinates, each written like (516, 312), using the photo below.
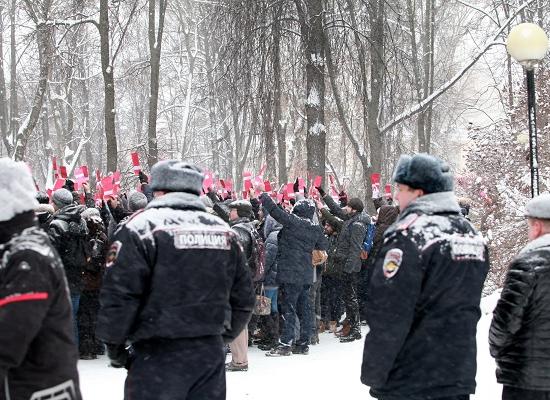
(527, 43)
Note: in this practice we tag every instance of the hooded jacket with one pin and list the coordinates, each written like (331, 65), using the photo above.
(271, 231)
(423, 304)
(68, 233)
(38, 351)
(174, 272)
(297, 240)
(520, 330)
(350, 239)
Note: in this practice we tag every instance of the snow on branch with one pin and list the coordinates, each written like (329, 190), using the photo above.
(442, 89)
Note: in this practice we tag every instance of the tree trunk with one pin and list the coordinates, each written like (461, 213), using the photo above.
(45, 49)
(311, 27)
(278, 124)
(14, 104)
(155, 45)
(109, 87)
(3, 98)
(211, 100)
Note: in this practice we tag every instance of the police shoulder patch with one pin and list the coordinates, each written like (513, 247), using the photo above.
(112, 254)
(392, 262)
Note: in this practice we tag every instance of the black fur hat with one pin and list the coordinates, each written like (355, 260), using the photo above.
(423, 171)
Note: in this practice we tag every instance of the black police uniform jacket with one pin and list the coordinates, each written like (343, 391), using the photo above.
(174, 272)
(423, 304)
(38, 353)
(520, 331)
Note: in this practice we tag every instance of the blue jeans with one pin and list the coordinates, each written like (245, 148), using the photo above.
(295, 303)
(75, 301)
(273, 294)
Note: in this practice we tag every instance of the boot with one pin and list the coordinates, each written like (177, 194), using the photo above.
(332, 326)
(322, 327)
(232, 367)
(354, 335)
(302, 349)
(280, 350)
(346, 328)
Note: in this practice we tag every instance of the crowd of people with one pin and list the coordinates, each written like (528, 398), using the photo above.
(172, 275)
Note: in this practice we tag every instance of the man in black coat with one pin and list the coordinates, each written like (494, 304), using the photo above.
(424, 294)
(296, 242)
(69, 234)
(176, 288)
(38, 354)
(348, 254)
(520, 330)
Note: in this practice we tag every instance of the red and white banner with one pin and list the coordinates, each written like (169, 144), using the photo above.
(387, 190)
(375, 183)
(63, 171)
(135, 163)
(247, 178)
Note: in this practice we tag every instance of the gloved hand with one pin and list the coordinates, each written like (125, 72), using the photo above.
(119, 355)
(296, 187)
(212, 196)
(321, 191)
(143, 178)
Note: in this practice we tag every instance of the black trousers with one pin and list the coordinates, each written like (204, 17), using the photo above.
(512, 393)
(87, 321)
(331, 301)
(183, 369)
(351, 303)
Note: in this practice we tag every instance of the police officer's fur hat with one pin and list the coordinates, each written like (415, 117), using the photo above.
(17, 189)
(425, 172)
(176, 176)
(538, 207)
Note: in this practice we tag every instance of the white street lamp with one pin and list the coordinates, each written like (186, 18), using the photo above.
(528, 44)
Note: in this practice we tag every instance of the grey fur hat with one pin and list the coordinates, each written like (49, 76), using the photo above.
(538, 207)
(423, 171)
(136, 201)
(176, 176)
(62, 198)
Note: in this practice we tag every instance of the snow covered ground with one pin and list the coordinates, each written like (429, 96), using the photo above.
(329, 371)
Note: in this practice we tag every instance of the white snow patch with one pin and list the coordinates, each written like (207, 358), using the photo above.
(313, 98)
(308, 377)
(317, 129)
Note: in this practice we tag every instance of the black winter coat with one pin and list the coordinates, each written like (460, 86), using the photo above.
(174, 271)
(350, 239)
(423, 304)
(68, 233)
(37, 350)
(271, 232)
(520, 332)
(297, 240)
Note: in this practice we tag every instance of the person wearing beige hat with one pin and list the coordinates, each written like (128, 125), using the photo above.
(520, 330)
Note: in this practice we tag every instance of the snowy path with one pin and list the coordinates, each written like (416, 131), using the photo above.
(330, 371)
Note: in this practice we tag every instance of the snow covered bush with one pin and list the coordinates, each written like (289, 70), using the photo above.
(498, 177)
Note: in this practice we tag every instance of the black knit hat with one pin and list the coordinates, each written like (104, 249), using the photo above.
(176, 176)
(425, 172)
(356, 204)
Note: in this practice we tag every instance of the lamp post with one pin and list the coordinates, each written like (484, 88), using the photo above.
(528, 44)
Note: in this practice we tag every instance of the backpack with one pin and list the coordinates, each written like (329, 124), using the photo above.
(256, 261)
(367, 242)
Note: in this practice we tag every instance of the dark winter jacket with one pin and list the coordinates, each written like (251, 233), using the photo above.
(520, 332)
(174, 271)
(37, 351)
(297, 240)
(271, 231)
(333, 267)
(387, 215)
(68, 233)
(350, 239)
(97, 250)
(423, 304)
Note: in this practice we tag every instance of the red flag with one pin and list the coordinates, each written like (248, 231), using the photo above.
(108, 187)
(116, 178)
(247, 176)
(59, 183)
(387, 190)
(267, 186)
(375, 183)
(54, 163)
(97, 175)
(135, 163)
(375, 179)
(63, 171)
(318, 181)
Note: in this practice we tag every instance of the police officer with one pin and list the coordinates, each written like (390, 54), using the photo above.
(424, 294)
(176, 288)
